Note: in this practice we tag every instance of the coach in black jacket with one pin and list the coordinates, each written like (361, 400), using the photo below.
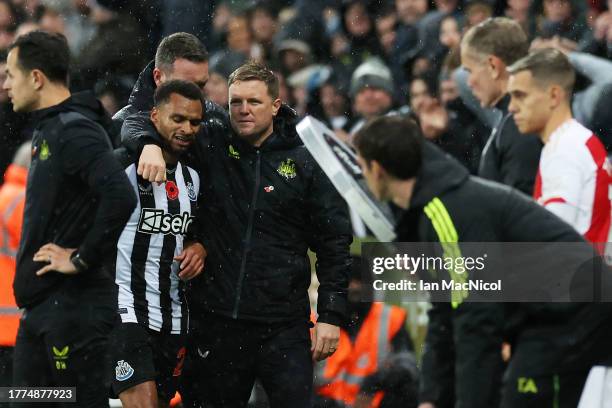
(555, 344)
(265, 201)
(178, 56)
(77, 201)
(508, 157)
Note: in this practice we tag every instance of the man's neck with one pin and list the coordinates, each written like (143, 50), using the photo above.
(561, 115)
(54, 95)
(503, 90)
(401, 192)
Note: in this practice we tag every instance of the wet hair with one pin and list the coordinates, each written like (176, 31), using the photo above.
(46, 52)
(179, 45)
(396, 142)
(254, 71)
(185, 89)
(499, 36)
(547, 66)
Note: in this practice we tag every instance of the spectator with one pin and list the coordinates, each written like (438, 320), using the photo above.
(358, 27)
(562, 18)
(221, 66)
(450, 32)
(108, 52)
(112, 93)
(371, 92)
(386, 30)
(293, 55)
(332, 104)
(477, 11)
(454, 130)
(10, 18)
(263, 22)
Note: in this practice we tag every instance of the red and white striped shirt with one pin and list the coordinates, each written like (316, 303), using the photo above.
(573, 181)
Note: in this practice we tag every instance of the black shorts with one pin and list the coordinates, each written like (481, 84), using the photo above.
(139, 354)
(63, 342)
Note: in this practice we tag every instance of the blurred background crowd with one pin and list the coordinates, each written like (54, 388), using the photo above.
(342, 61)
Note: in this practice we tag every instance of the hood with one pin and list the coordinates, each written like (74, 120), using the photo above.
(441, 173)
(144, 89)
(84, 103)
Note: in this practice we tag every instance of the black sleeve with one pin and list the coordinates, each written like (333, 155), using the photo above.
(520, 157)
(437, 366)
(138, 131)
(85, 152)
(331, 237)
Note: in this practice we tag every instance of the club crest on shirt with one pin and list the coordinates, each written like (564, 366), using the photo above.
(123, 371)
(191, 193)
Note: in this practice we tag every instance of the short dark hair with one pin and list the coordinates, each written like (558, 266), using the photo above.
(499, 36)
(46, 52)
(547, 66)
(186, 89)
(254, 71)
(396, 142)
(179, 45)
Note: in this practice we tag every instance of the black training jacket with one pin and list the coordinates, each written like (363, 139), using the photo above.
(77, 195)
(261, 210)
(510, 157)
(462, 364)
(141, 100)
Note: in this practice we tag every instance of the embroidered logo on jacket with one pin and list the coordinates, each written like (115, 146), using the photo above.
(287, 169)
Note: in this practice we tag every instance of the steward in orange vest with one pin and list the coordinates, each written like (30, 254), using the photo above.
(373, 364)
(12, 198)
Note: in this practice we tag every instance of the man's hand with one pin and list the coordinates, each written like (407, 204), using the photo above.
(325, 340)
(58, 259)
(192, 260)
(151, 165)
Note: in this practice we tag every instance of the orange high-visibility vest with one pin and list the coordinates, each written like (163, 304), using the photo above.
(12, 199)
(340, 376)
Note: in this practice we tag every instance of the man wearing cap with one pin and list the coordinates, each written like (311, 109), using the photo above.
(371, 92)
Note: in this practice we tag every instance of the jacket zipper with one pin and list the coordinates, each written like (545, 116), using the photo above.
(249, 232)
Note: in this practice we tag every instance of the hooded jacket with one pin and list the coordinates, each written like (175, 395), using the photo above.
(77, 196)
(141, 100)
(261, 210)
(462, 348)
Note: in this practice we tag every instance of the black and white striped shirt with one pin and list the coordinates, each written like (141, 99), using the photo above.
(150, 291)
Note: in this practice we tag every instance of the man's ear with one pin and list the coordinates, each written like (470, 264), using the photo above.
(496, 66)
(377, 170)
(276, 106)
(557, 96)
(154, 115)
(157, 76)
(38, 79)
